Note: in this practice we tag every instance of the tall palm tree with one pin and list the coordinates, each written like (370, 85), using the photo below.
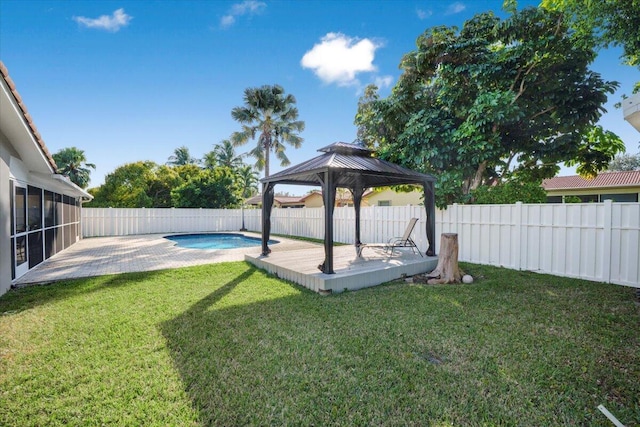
(248, 180)
(72, 163)
(272, 116)
(181, 157)
(223, 154)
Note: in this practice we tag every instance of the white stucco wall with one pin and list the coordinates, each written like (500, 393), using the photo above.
(413, 198)
(5, 215)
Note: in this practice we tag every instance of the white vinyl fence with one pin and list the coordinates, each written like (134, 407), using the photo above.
(593, 241)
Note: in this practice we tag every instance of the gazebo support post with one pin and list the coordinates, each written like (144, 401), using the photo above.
(357, 193)
(329, 196)
(267, 204)
(430, 207)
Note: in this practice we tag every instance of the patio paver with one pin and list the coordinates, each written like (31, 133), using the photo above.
(99, 256)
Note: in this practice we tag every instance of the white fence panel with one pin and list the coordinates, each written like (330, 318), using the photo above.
(625, 244)
(594, 241)
(122, 222)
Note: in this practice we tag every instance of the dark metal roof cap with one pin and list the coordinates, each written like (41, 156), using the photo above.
(347, 148)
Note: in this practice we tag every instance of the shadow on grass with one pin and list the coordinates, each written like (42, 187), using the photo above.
(239, 363)
(367, 358)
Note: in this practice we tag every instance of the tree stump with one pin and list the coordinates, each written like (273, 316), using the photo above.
(447, 270)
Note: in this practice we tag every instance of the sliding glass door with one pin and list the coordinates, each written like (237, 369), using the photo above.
(19, 232)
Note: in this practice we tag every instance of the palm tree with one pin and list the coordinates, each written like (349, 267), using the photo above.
(181, 157)
(223, 154)
(72, 163)
(272, 116)
(248, 180)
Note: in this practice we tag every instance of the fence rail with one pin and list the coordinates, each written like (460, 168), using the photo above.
(593, 241)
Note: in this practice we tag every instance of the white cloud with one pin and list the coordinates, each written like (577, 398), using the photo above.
(423, 14)
(247, 7)
(111, 23)
(383, 81)
(454, 8)
(338, 58)
(227, 21)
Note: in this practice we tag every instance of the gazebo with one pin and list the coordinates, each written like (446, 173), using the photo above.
(350, 166)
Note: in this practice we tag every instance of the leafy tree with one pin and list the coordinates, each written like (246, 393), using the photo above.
(272, 117)
(494, 101)
(625, 162)
(72, 163)
(128, 186)
(600, 23)
(367, 118)
(160, 184)
(247, 180)
(181, 157)
(147, 184)
(509, 193)
(186, 172)
(605, 22)
(223, 154)
(212, 188)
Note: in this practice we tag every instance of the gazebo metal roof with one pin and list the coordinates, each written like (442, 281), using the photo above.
(352, 166)
(350, 161)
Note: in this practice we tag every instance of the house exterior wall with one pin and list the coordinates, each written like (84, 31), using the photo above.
(313, 200)
(52, 217)
(394, 198)
(5, 215)
(631, 110)
(39, 209)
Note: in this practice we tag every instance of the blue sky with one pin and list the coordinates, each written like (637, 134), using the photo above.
(133, 80)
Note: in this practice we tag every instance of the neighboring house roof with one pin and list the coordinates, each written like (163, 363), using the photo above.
(280, 199)
(286, 199)
(603, 180)
(27, 117)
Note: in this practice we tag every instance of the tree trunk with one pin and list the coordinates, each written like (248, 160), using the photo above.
(447, 270)
(267, 153)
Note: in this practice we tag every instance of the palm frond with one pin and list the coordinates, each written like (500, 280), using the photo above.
(271, 116)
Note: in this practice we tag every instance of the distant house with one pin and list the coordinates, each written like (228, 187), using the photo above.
(278, 201)
(384, 197)
(388, 197)
(616, 186)
(39, 208)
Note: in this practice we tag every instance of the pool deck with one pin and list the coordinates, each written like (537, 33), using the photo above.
(292, 260)
(98, 256)
(351, 272)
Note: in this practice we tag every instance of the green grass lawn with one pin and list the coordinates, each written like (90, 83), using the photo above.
(226, 344)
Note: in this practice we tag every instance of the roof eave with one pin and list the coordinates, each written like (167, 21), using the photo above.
(20, 126)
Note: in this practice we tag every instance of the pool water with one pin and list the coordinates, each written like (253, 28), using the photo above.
(216, 241)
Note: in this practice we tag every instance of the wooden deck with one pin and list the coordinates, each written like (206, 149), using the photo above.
(351, 273)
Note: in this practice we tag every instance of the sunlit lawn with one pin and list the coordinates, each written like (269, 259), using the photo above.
(226, 344)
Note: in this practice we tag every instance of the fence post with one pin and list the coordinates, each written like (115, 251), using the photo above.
(607, 243)
(112, 222)
(517, 236)
(453, 221)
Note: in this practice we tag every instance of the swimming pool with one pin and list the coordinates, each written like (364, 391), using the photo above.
(216, 241)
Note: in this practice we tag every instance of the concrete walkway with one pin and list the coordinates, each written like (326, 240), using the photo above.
(99, 256)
